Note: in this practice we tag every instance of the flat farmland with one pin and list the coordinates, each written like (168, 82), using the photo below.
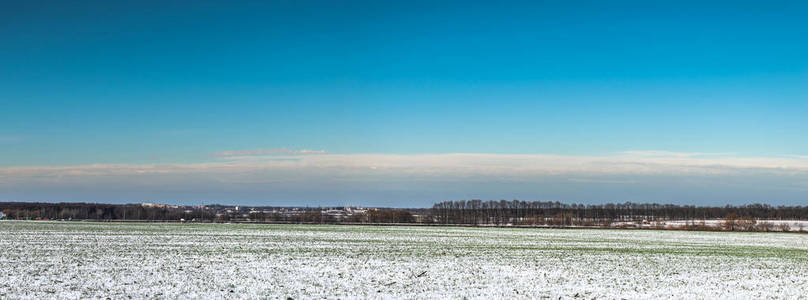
(160, 260)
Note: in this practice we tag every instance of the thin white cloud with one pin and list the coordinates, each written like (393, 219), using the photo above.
(659, 153)
(260, 152)
(604, 181)
(391, 179)
(287, 165)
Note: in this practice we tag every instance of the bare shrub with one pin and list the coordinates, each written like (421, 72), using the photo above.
(730, 221)
(746, 224)
(765, 226)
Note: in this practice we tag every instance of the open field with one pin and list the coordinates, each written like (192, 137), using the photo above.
(120, 260)
(773, 225)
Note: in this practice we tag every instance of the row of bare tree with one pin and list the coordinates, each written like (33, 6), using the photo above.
(472, 212)
(556, 213)
(95, 211)
(316, 216)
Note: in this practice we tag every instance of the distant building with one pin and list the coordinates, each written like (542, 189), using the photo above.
(157, 205)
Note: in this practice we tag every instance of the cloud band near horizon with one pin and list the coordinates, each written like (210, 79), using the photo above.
(289, 176)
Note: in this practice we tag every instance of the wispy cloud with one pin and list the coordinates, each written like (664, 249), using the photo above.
(259, 152)
(266, 163)
(660, 153)
(289, 174)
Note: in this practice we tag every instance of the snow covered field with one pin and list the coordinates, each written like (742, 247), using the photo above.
(793, 225)
(98, 260)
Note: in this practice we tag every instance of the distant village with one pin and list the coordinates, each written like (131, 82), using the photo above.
(245, 213)
(207, 213)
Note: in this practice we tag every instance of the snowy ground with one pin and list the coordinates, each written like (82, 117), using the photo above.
(99, 260)
(793, 225)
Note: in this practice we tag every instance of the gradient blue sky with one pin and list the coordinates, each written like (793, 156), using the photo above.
(152, 84)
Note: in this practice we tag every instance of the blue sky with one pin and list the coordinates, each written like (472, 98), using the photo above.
(173, 83)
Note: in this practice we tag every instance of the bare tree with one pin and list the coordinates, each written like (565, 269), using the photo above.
(730, 221)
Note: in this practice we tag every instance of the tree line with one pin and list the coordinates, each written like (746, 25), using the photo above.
(317, 217)
(556, 213)
(462, 212)
(213, 213)
(97, 211)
